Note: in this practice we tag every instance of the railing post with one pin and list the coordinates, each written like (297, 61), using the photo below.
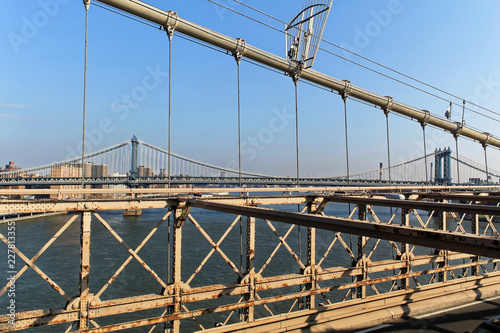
(248, 313)
(176, 276)
(311, 259)
(405, 250)
(84, 270)
(361, 260)
(474, 225)
(442, 276)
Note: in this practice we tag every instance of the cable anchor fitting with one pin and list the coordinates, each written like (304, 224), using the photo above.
(239, 50)
(427, 116)
(459, 129)
(389, 105)
(297, 73)
(86, 3)
(487, 141)
(347, 90)
(170, 24)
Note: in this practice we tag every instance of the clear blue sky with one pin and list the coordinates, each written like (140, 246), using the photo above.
(450, 44)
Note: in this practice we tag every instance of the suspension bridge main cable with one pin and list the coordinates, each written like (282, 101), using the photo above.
(366, 59)
(227, 43)
(125, 14)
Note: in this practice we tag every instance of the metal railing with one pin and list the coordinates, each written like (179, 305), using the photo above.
(251, 261)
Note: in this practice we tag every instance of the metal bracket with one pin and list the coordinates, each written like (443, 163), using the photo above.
(347, 90)
(389, 105)
(248, 278)
(459, 130)
(296, 75)
(74, 303)
(170, 290)
(239, 50)
(426, 118)
(86, 206)
(181, 213)
(170, 26)
(487, 141)
(86, 3)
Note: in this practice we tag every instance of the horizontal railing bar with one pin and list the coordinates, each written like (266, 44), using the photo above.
(421, 205)
(466, 243)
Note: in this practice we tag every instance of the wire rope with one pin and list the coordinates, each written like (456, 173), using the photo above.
(87, 4)
(367, 59)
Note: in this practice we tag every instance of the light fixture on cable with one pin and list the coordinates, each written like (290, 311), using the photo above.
(303, 33)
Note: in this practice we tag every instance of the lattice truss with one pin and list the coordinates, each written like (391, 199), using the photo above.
(193, 268)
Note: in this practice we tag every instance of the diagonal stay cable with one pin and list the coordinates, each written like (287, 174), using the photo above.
(126, 262)
(132, 252)
(39, 253)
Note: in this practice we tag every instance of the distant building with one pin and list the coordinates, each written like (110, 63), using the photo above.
(144, 172)
(65, 171)
(62, 171)
(11, 166)
(8, 168)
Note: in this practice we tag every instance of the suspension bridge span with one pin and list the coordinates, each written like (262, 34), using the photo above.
(224, 250)
(116, 166)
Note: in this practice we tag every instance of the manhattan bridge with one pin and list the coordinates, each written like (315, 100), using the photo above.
(136, 163)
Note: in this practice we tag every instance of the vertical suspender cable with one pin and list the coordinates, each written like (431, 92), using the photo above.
(295, 81)
(458, 162)
(486, 164)
(239, 127)
(425, 154)
(87, 5)
(344, 96)
(346, 142)
(237, 56)
(387, 109)
(170, 32)
(456, 142)
(388, 144)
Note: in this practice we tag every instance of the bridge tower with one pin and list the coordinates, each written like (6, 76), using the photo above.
(442, 166)
(135, 148)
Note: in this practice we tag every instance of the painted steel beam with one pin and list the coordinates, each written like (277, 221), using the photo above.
(422, 205)
(246, 190)
(466, 243)
(165, 19)
(461, 196)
